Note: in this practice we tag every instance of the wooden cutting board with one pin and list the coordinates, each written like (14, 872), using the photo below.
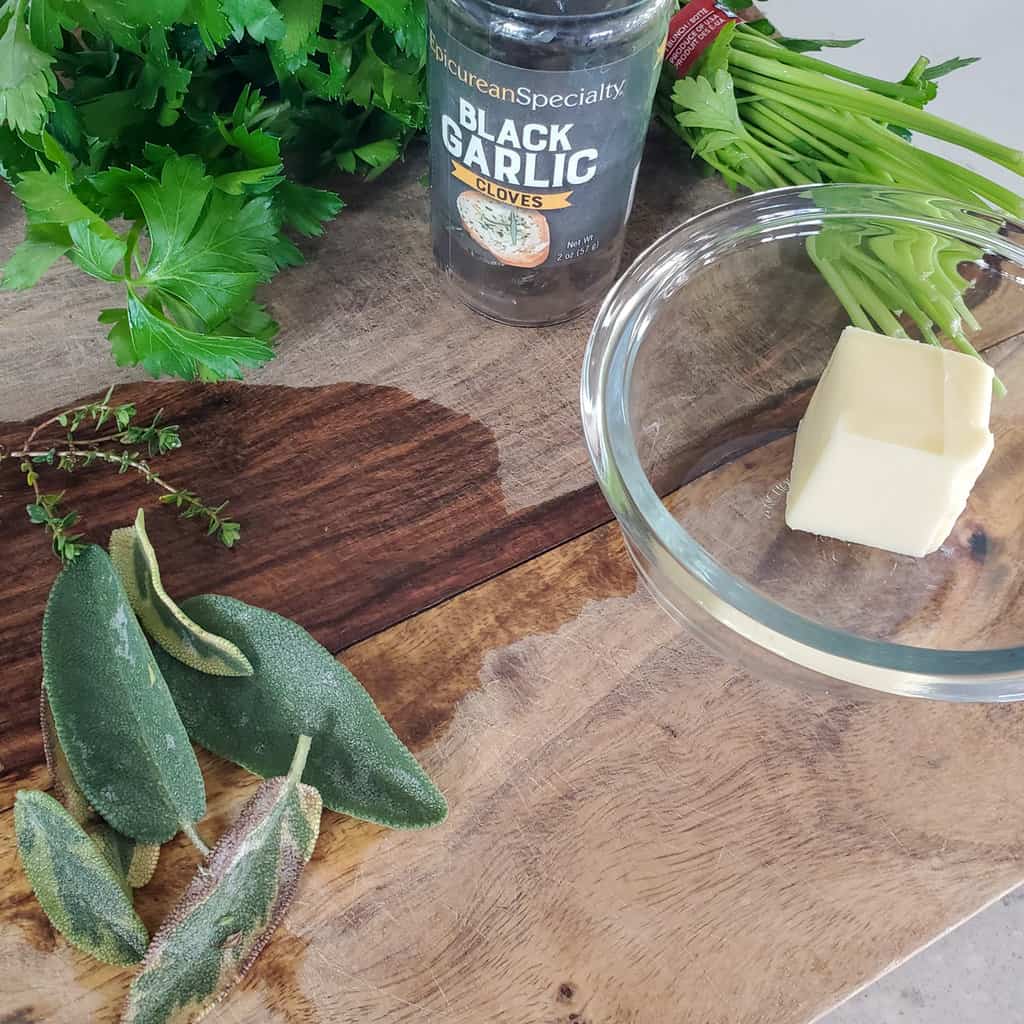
(639, 832)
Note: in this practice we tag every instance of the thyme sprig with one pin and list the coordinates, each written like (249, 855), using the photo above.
(122, 448)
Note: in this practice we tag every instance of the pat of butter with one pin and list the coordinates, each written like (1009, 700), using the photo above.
(892, 443)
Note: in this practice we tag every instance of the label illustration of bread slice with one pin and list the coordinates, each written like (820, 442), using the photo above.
(517, 238)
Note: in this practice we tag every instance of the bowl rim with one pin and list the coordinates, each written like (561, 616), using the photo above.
(653, 533)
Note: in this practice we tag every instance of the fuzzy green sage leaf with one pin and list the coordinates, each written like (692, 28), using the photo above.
(297, 687)
(76, 887)
(124, 742)
(232, 906)
(135, 561)
(133, 862)
(68, 791)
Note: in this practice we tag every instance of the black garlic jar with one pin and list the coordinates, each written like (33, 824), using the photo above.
(539, 112)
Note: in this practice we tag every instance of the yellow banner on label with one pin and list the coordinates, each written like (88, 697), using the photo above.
(511, 196)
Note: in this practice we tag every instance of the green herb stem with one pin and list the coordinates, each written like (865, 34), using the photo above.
(779, 146)
(103, 403)
(73, 451)
(298, 765)
(749, 147)
(754, 43)
(817, 88)
(880, 150)
(837, 282)
(940, 169)
(819, 123)
(761, 114)
(131, 241)
(873, 304)
(916, 73)
(777, 164)
(113, 458)
(898, 296)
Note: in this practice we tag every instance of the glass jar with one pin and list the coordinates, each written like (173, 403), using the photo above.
(538, 117)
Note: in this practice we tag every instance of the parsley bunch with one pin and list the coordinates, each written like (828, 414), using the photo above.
(764, 114)
(160, 147)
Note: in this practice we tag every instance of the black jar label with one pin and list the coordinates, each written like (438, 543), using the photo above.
(535, 168)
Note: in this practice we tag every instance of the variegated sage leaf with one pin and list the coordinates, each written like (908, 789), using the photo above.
(232, 906)
(135, 863)
(135, 560)
(298, 687)
(140, 864)
(132, 861)
(76, 887)
(124, 741)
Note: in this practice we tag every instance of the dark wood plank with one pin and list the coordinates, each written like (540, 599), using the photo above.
(360, 506)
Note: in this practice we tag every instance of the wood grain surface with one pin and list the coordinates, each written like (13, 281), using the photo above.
(639, 833)
(458, 457)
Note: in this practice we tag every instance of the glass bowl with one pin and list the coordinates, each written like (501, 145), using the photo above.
(698, 370)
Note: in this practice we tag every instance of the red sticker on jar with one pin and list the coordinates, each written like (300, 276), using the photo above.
(693, 30)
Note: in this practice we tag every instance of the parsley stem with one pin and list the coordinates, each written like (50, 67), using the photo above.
(753, 42)
(779, 162)
(818, 88)
(763, 115)
(877, 148)
(131, 239)
(837, 282)
(268, 113)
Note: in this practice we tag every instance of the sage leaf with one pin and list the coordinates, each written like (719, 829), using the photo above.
(132, 861)
(135, 561)
(107, 841)
(140, 866)
(68, 791)
(297, 687)
(232, 906)
(124, 742)
(76, 887)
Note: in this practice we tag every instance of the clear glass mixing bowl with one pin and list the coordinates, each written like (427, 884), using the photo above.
(697, 372)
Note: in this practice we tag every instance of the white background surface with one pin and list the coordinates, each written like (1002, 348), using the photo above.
(972, 976)
(987, 97)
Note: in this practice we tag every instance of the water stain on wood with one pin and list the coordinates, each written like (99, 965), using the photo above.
(23, 912)
(22, 1016)
(420, 682)
(275, 981)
